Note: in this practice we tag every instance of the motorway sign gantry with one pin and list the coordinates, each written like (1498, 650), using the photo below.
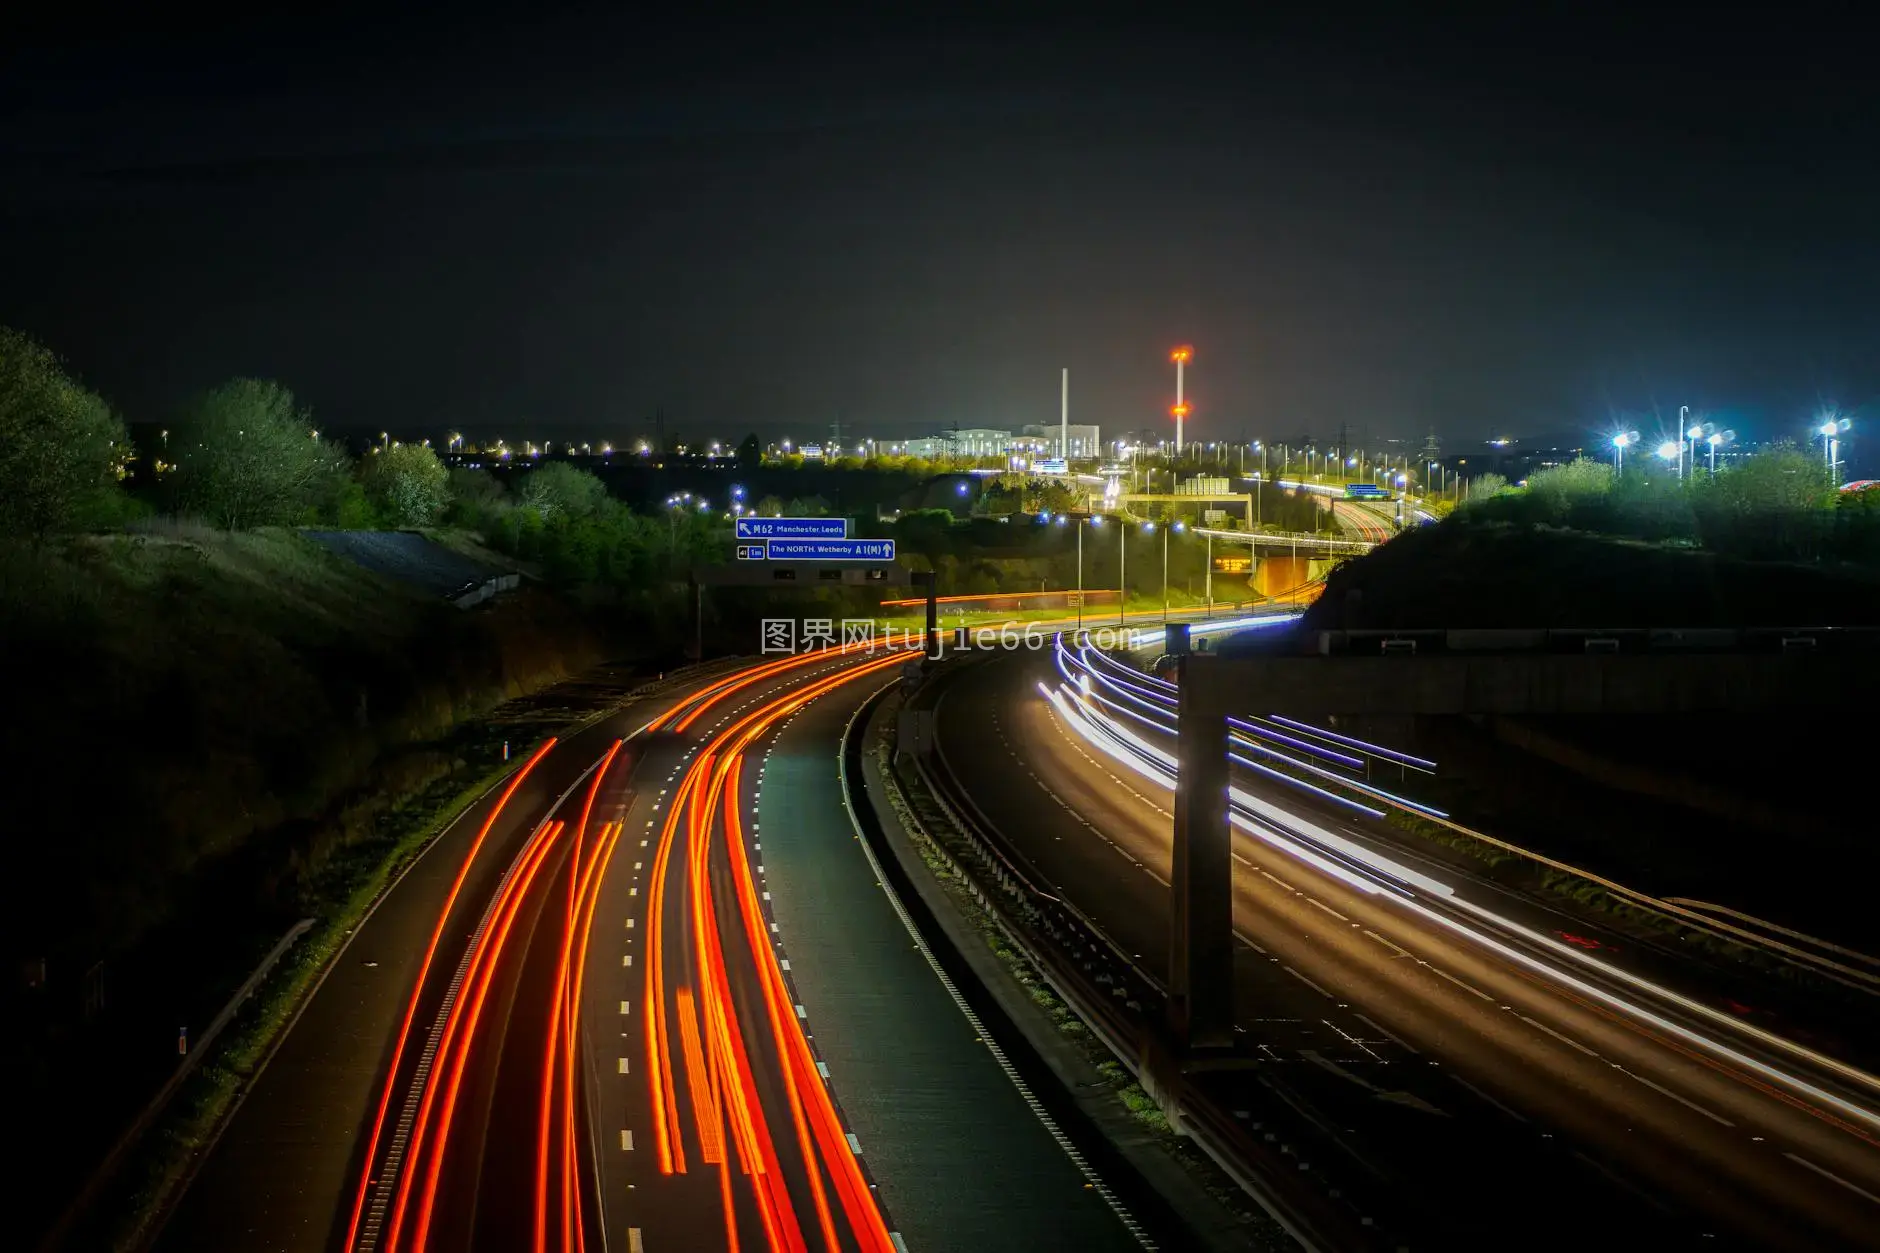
(830, 549)
(793, 528)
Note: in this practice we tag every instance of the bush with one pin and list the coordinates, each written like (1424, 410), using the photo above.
(408, 484)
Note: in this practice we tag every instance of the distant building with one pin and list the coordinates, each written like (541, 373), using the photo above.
(1085, 440)
(968, 441)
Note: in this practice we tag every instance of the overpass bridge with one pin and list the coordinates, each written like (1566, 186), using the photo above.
(1538, 671)
(1281, 562)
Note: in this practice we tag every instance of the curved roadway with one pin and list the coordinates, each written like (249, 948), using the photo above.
(1547, 1119)
(613, 1008)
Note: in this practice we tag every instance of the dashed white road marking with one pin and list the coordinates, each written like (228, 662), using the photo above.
(1315, 987)
(623, 1065)
(1398, 949)
(625, 1006)
(1688, 1104)
(1564, 1039)
(1437, 970)
(626, 1140)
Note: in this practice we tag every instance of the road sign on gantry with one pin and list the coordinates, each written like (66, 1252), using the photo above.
(831, 549)
(793, 528)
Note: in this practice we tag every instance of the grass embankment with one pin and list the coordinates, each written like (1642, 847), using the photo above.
(925, 823)
(1463, 574)
(214, 735)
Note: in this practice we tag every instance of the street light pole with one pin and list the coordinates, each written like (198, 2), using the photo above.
(1208, 574)
(1831, 432)
(1080, 576)
(1122, 570)
(1684, 424)
(1165, 531)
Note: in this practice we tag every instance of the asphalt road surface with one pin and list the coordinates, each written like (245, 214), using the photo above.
(601, 1013)
(1529, 1113)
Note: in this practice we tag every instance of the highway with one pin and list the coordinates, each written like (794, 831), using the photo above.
(593, 1037)
(1505, 1092)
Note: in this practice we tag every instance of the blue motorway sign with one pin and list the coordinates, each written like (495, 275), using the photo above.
(831, 549)
(793, 528)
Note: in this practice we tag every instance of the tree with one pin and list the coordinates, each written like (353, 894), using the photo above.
(61, 447)
(559, 488)
(249, 456)
(408, 484)
(750, 452)
(474, 492)
(1486, 485)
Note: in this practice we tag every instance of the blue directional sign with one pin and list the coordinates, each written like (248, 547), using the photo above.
(831, 549)
(793, 528)
(751, 552)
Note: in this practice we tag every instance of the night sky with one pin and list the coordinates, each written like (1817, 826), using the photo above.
(542, 228)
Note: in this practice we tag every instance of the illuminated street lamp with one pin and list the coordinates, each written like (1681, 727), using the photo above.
(1620, 442)
(1694, 432)
(1716, 440)
(1673, 450)
(1180, 356)
(1831, 431)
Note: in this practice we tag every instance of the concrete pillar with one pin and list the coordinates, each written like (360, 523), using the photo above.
(1201, 949)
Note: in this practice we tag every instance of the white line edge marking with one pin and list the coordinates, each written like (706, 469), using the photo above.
(1803, 1161)
(972, 1019)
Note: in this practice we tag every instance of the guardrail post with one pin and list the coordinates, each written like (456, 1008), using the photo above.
(1201, 954)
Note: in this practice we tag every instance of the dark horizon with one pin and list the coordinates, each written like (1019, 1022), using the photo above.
(561, 225)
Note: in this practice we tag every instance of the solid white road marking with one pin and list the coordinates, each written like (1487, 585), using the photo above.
(1399, 1041)
(1803, 1161)
(1486, 1097)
